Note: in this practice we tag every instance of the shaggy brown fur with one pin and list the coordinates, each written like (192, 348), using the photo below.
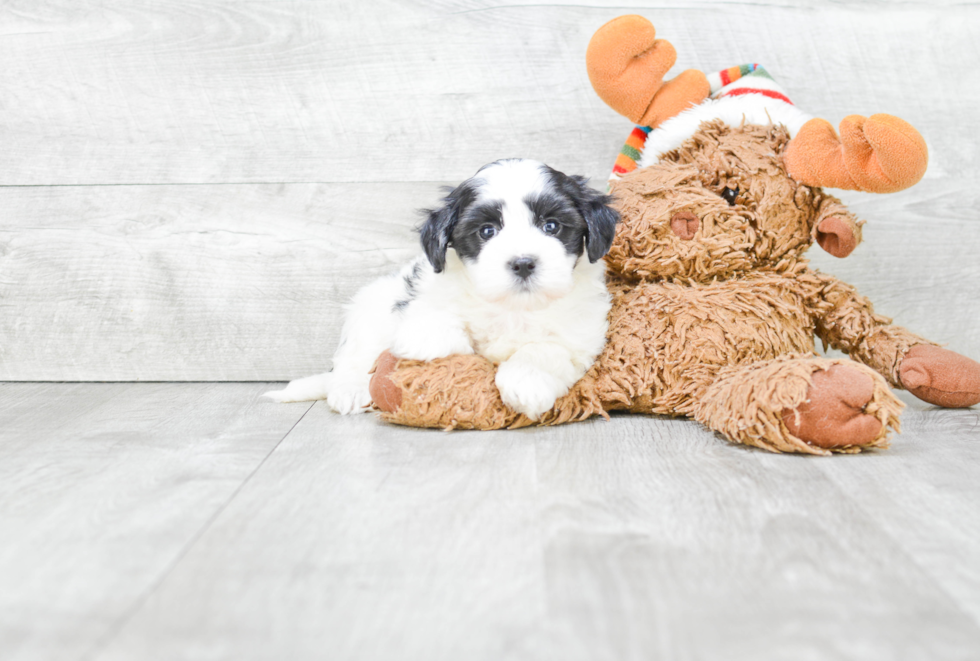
(719, 326)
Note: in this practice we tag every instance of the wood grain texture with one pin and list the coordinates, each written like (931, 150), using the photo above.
(639, 538)
(215, 91)
(925, 496)
(229, 281)
(247, 282)
(191, 282)
(102, 488)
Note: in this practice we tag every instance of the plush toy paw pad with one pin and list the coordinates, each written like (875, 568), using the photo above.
(833, 413)
(940, 376)
(385, 394)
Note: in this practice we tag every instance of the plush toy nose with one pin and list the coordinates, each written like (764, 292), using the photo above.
(685, 224)
(523, 267)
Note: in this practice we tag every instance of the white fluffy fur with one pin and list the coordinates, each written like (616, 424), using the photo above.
(733, 110)
(544, 333)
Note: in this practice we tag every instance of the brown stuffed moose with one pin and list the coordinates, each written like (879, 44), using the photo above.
(715, 308)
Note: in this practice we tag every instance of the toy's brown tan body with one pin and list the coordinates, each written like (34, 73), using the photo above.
(684, 335)
(734, 355)
(715, 309)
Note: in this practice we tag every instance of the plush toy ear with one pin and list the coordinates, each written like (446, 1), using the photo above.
(837, 236)
(600, 218)
(437, 230)
(837, 230)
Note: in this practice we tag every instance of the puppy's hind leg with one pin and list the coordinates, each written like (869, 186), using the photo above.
(367, 332)
(303, 390)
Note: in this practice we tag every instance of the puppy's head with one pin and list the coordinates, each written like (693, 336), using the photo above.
(519, 229)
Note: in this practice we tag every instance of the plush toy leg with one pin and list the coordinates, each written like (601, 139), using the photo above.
(800, 403)
(459, 392)
(940, 376)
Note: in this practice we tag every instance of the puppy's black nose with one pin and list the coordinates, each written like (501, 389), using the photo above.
(523, 267)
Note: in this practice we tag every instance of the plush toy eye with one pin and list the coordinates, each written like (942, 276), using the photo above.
(487, 232)
(729, 194)
(550, 227)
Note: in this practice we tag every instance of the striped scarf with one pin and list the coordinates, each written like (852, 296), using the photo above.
(734, 81)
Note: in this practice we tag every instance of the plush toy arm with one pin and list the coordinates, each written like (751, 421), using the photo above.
(845, 320)
(459, 392)
(456, 392)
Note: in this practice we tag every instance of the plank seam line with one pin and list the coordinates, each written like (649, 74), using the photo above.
(140, 601)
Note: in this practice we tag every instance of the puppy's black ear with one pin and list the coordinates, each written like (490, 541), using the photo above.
(435, 233)
(437, 229)
(600, 218)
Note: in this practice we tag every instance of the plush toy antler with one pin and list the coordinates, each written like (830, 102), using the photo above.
(627, 63)
(880, 154)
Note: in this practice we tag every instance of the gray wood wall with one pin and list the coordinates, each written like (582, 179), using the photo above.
(192, 190)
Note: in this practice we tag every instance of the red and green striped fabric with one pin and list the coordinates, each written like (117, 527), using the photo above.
(734, 81)
(745, 79)
(631, 151)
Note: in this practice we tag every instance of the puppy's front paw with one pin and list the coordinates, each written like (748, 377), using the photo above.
(528, 389)
(349, 398)
(420, 343)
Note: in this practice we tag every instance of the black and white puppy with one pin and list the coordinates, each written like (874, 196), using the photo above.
(503, 276)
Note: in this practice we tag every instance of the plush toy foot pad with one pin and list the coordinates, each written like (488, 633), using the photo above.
(833, 414)
(385, 394)
(941, 377)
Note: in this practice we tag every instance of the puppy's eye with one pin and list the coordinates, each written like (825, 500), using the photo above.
(550, 227)
(487, 232)
(730, 195)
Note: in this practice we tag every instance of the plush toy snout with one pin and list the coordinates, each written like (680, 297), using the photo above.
(685, 225)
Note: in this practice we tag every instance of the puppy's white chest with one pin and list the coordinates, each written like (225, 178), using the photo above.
(500, 337)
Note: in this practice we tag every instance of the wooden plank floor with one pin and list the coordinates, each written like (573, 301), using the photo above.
(196, 521)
